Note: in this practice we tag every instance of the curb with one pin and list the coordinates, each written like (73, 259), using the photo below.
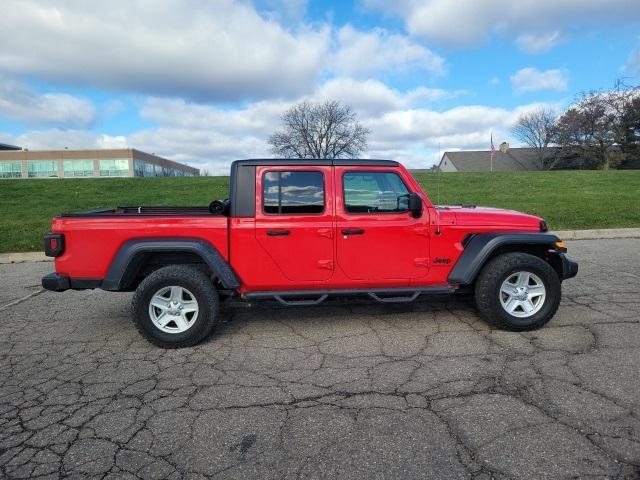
(605, 233)
(21, 257)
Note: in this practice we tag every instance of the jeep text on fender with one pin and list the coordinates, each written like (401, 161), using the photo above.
(298, 231)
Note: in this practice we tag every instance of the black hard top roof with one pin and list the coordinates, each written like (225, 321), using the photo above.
(323, 162)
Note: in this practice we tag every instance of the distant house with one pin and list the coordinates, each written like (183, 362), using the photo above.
(504, 160)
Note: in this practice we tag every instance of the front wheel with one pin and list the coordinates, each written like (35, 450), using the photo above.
(517, 292)
(175, 306)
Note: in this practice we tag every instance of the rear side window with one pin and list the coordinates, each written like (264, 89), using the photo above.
(293, 192)
(375, 192)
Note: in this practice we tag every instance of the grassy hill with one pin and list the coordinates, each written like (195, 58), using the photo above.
(568, 200)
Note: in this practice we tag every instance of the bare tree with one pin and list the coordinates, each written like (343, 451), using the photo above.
(537, 130)
(631, 139)
(602, 126)
(324, 130)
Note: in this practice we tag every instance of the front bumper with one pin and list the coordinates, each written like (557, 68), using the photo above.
(569, 267)
(56, 282)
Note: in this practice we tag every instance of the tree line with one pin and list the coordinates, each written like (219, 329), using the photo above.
(599, 130)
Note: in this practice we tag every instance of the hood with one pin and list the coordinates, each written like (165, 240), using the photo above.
(472, 215)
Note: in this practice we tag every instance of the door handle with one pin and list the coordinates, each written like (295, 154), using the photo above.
(353, 231)
(278, 233)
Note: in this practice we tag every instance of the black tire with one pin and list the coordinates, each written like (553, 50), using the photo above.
(496, 271)
(198, 284)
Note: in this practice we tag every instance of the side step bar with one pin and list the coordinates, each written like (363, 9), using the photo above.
(315, 297)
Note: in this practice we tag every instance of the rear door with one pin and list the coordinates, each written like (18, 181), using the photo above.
(294, 220)
(377, 238)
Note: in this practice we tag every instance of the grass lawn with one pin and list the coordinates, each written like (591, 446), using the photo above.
(568, 200)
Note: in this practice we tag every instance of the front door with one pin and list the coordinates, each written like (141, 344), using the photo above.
(377, 236)
(294, 220)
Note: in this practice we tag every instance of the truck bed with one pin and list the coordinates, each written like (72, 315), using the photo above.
(93, 238)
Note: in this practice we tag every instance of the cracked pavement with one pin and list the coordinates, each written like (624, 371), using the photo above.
(342, 390)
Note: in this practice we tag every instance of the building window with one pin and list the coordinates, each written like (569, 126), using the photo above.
(293, 192)
(375, 192)
(138, 168)
(114, 168)
(78, 168)
(43, 168)
(10, 169)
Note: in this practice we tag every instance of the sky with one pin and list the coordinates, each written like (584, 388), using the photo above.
(205, 81)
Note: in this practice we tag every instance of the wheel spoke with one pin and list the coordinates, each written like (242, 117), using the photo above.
(189, 306)
(507, 289)
(511, 304)
(176, 294)
(181, 322)
(536, 290)
(160, 303)
(163, 319)
(523, 279)
(527, 306)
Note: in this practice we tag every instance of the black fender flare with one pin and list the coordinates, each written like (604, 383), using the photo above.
(479, 248)
(125, 260)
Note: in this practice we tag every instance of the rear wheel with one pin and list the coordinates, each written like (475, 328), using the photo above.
(176, 306)
(518, 292)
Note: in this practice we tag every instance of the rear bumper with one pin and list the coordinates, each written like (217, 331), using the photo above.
(59, 283)
(569, 267)
(56, 282)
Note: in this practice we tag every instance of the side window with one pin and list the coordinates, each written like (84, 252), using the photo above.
(375, 192)
(293, 192)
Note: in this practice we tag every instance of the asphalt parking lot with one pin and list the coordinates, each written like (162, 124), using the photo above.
(343, 390)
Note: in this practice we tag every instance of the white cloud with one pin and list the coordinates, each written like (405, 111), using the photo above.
(19, 102)
(532, 80)
(220, 50)
(544, 42)
(404, 126)
(57, 139)
(374, 97)
(467, 22)
(464, 127)
(110, 141)
(377, 50)
(257, 118)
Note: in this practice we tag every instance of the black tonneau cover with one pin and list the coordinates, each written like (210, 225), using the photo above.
(143, 211)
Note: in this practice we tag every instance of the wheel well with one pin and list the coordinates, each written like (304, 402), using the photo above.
(539, 250)
(145, 263)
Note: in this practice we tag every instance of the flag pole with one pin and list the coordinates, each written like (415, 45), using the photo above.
(493, 152)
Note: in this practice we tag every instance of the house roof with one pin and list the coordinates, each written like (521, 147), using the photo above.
(515, 159)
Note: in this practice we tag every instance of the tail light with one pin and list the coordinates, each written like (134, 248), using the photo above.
(53, 244)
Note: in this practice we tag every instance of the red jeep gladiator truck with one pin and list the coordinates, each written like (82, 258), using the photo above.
(299, 231)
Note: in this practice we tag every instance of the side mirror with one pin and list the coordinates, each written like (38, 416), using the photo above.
(415, 204)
